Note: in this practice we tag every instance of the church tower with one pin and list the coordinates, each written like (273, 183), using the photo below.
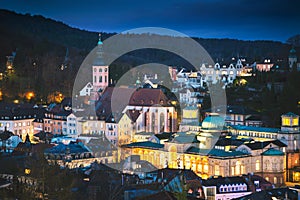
(100, 70)
(292, 58)
(289, 133)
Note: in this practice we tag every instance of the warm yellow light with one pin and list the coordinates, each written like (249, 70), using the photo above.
(285, 121)
(29, 95)
(295, 122)
(27, 171)
(243, 82)
(173, 102)
(16, 101)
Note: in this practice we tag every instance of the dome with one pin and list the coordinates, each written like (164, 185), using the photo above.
(213, 122)
(292, 51)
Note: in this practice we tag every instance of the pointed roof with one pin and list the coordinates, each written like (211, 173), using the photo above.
(148, 97)
(99, 61)
(133, 114)
(272, 152)
(290, 114)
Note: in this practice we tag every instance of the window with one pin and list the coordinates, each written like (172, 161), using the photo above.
(275, 180)
(100, 79)
(238, 167)
(257, 165)
(217, 170)
(100, 70)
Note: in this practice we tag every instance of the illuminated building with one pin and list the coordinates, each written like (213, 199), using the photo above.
(100, 71)
(86, 90)
(265, 66)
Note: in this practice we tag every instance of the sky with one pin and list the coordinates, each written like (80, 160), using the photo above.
(237, 19)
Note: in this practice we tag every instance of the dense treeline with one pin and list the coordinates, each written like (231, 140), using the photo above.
(44, 47)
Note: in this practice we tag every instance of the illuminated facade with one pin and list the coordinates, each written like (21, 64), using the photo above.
(265, 66)
(100, 70)
(211, 74)
(267, 162)
(289, 132)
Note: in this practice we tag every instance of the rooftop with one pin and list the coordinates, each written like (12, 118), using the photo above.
(253, 128)
(272, 152)
(146, 144)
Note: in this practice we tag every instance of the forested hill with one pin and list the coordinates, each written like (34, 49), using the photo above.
(43, 45)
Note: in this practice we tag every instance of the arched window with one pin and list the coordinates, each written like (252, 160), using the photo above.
(275, 180)
(153, 122)
(237, 167)
(162, 122)
(257, 165)
(217, 170)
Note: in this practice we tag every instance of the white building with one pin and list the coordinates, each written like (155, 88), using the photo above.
(72, 125)
(86, 90)
(211, 74)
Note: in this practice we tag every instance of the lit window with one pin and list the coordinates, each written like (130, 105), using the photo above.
(257, 165)
(295, 122)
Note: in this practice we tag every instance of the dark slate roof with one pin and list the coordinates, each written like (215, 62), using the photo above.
(218, 181)
(133, 114)
(146, 144)
(43, 135)
(222, 153)
(163, 195)
(169, 174)
(260, 145)
(272, 152)
(215, 152)
(290, 114)
(279, 193)
(100, 144)
(223, 141)
(112, 96)
(148, 97)
(196, 150)
(257, 145)
(242, 110)
(73, 148)
(257, 129)
(163, 136)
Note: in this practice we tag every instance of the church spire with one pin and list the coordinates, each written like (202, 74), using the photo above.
(100, 40)
(99, 53)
